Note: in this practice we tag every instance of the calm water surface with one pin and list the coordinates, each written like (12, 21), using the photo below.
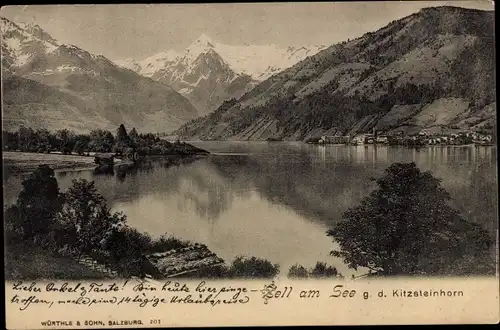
(277, 200)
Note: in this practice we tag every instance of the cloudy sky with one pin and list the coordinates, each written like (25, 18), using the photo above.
(139, 30)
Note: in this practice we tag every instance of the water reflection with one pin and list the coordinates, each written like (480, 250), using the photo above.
(205, 191)
(276, 200)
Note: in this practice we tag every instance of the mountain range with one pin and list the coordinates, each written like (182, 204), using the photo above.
(208, 73)
(431, 70)
(50, 85)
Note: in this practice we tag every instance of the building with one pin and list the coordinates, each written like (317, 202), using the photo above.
(483, 139)
(359, 139)
(383, 139)
(363, 139)
(325, 139)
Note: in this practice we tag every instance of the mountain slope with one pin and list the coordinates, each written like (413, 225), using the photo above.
(207, 73)
(433, 69)
(71, 88)
(30, 103)
(150, 65)
(203, 77)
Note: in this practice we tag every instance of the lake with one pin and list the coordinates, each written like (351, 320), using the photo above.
(276, 200)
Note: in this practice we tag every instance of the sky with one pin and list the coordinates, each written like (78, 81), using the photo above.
(140, 30)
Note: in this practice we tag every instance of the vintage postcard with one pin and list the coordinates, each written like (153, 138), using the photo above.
(175, 165)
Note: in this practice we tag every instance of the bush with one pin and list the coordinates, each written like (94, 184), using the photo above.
(87, 216)
(66, 151)
(125, 247)
(214, 272)
(80, 223)
(165, 243)
(320, 270)
(37, 204)
(13, 230)
(243, 267)
(298, 271)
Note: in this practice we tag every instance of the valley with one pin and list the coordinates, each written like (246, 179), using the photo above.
(208, 73)
(431, 71)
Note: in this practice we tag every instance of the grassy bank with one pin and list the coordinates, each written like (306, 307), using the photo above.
(27, 261)
(23, 162)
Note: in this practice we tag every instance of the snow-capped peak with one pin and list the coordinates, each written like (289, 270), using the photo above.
(148, 66)
(204, 41)
(22, 41)
(168, 56)
(129, 63)
(262, 61)
(35, 30)
(202, 45)
(257, 61)
(31, 27)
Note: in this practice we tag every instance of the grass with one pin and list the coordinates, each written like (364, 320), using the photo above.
(28, 262)
(29, 161)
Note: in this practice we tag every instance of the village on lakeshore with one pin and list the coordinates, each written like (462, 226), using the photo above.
(423, 138)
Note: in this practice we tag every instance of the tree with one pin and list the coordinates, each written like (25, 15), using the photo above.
(26, 136)
(101, 141)
(407, 227)
(79, 147)
(87, 219)
(121, 133)
(133, 136)
(83, 140)
(66, 140)
(10, 140)
(63, 136)
(36, 206)
(42, 137)
(122, 140)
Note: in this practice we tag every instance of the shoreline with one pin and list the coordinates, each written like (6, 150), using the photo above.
(343, 144)
(19, 162)
(15, 169)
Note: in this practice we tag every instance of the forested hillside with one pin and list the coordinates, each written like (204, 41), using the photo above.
(433, 69)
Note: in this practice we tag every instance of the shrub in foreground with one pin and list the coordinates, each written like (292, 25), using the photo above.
(320, 270)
